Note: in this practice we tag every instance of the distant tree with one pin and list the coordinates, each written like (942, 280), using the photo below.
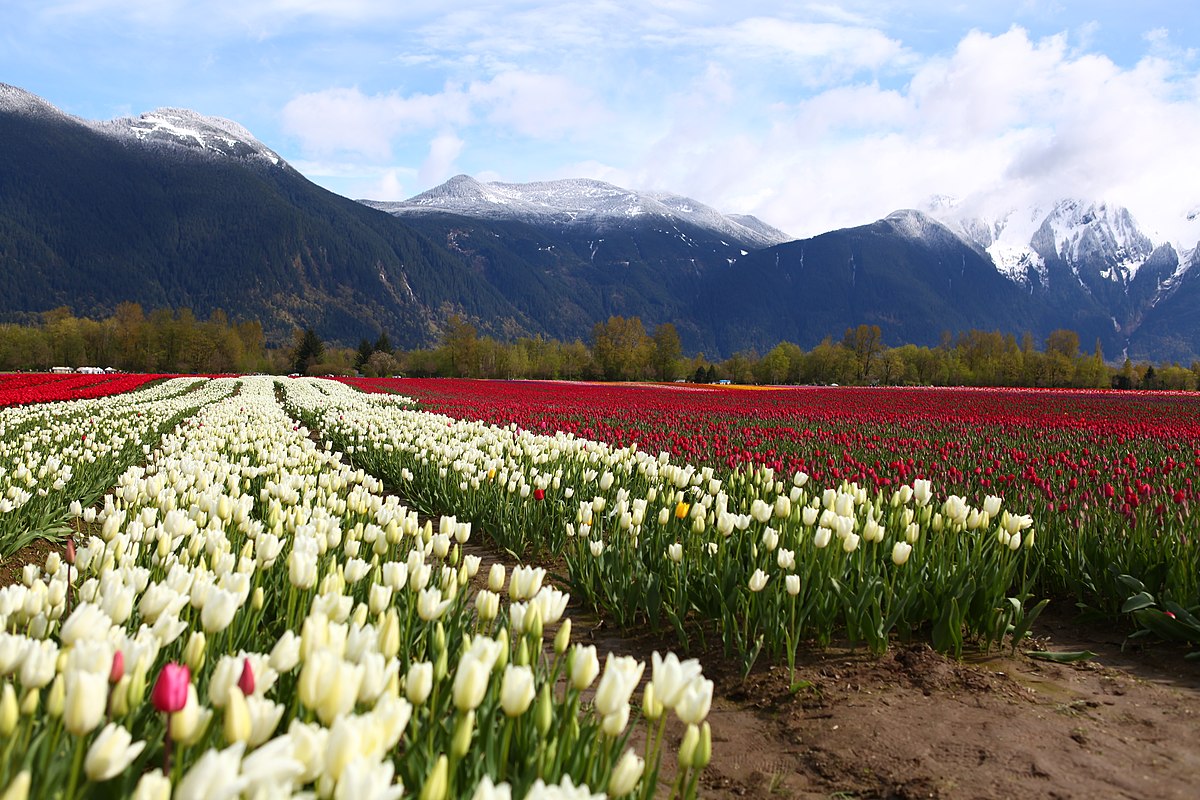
(667, 352)
(1064, 342)
(621, 349)
(381, 365)
(365, 349)
(866, 342)
(462, 345)
(383, 344)
(309, 350)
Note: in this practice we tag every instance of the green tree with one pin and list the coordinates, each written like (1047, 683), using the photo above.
(667, 352)
(621, 348)
(309, 350)
(462, 347)
(866, 342)
(364, 351)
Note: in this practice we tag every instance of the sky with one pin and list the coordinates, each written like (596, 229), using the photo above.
(810, 115)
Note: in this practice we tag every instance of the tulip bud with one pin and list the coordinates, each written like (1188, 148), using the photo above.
(625, 775)
(29, 703)
(246, 681)
(9, 712)
(194, 651)
(57, 696)
(652, 707)
(389, 635)
(544, 712)
(441, 667)
(687, 748)
(522, 658)
(562, 639)
(419, 683)
(19, 788)
(437, 783)
(460, 744)
(703, 752)
(153, 786)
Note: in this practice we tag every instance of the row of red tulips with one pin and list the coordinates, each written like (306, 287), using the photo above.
(1111, 477)
(25, 388)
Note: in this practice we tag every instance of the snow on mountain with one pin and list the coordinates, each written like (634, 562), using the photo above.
(1096, 237)
(1007, 238)
(182, 127)
(1099, 234)
(18, 101)
(573, 202)
(171, 127)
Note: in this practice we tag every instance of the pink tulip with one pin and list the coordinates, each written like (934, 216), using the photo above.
(118, 667)
(170, 691)
(246, 682)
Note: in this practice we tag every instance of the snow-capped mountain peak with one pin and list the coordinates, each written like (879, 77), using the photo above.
(1096, 233)
(14, 100)
(1074, 232)
(166, 127)
(577, 202)
(183, 127)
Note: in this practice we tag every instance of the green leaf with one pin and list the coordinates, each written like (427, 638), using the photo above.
(1166, 627)
(1064, 657)
(1022, 628)
(1132, 583)
(1138, 602)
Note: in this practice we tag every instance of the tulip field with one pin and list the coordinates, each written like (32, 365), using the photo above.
(256, 601)
(245, 613)
(1107, 480)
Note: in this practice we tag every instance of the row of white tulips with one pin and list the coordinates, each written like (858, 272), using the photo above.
(254, 617)
(53, 451)
(769, 561)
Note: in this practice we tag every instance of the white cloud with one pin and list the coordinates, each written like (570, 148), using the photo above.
(346, 120)
(1005, 118)
(822, 50)
(439, 164)
(537, 105)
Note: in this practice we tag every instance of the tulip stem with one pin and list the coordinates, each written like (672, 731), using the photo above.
(167, 748)
(504, 747)
(76, 766)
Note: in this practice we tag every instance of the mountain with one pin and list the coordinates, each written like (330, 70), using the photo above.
(574, 252)
(583, 205)
(907, 273)
(1093, 256)
(174, 209)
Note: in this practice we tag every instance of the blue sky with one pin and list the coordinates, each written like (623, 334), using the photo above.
(810, 115)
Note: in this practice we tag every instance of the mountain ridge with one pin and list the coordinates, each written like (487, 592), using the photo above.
(577, 202)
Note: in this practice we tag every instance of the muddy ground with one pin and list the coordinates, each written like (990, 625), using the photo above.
(916, 724)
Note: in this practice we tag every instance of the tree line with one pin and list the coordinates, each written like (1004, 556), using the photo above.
(622, 349)
(619, 349)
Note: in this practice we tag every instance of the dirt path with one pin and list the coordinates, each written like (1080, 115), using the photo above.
(917, 724)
